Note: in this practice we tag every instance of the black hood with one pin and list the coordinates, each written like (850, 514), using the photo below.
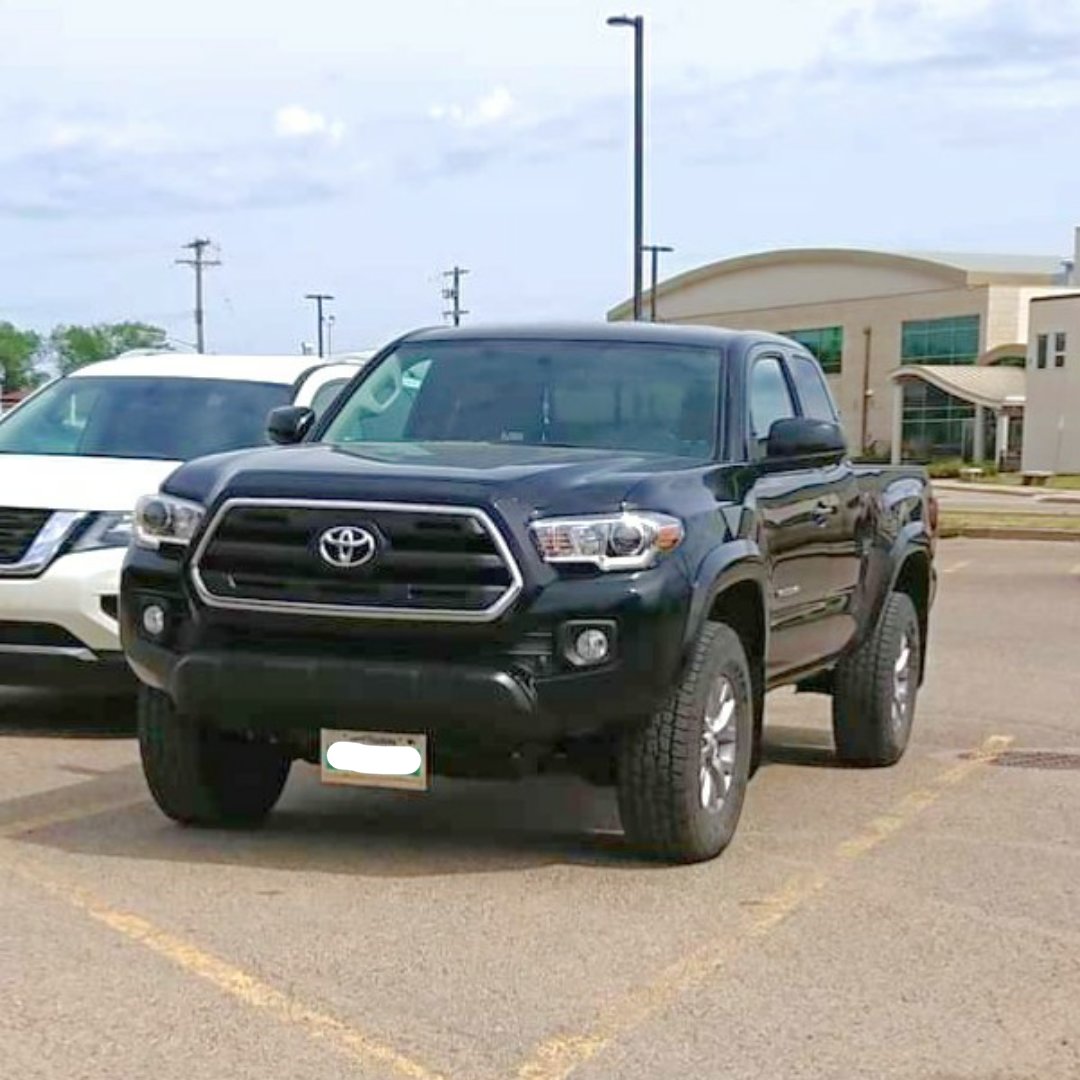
(541, 479)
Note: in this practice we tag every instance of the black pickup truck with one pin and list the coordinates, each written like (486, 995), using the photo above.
(506, 550)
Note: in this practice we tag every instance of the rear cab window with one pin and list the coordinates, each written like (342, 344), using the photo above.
(811, 389)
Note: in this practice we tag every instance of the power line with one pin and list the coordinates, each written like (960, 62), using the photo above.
(453, 294)
(199, 262)
(320, 299)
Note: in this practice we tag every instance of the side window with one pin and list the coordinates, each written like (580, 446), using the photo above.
(326, 394)
(770, 398)
(810, 387)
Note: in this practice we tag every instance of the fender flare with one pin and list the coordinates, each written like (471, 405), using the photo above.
(729, 564)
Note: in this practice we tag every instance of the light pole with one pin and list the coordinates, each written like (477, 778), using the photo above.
(654, 250)
(319, 298)
(638, 25)
(329, 335)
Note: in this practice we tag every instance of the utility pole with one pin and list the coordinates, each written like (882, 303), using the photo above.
(319, 299)
(637, 24)
(654, 250)
(453, 294)
(198, 262)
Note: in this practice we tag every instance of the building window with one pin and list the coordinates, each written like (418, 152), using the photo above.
(826, 343)
(1059, 349)
(940, 341)
(936, 424)
(1042, 346)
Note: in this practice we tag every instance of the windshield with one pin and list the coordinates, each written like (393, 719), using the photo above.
(603, 395)
(163, 419)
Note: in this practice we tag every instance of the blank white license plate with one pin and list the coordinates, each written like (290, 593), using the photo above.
(374, 759)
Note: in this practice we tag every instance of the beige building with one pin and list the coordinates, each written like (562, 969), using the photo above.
(866, 314)
(1052, 414)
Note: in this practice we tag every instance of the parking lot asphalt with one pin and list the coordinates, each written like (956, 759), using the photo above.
(921, 921)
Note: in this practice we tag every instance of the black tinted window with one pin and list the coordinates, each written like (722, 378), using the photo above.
(770, 399)
(162, 419)
(622, 396)
(810, 386)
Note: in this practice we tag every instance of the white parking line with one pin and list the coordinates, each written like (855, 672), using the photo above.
(956, 566)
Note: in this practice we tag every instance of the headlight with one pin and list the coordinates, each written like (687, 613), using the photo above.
(164, 519)
(106, 530)
(630, 541)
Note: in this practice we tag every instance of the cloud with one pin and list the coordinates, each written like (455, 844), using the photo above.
(298, 122)
(124, 134)
(72, 166)
(491, 108)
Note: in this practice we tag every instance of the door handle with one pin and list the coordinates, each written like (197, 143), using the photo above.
(823, 511)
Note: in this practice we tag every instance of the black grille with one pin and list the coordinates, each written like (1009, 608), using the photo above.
(425, 560)
(17, 531)
(37, 634)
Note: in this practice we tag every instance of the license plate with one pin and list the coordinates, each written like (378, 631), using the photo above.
(374, 759)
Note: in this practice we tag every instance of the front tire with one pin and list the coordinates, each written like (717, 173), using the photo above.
(875, 689)
(682, 775)
(200, 776)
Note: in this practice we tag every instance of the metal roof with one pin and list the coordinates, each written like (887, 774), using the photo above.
(284, 370)
(992, 387)
(990, 263)
(658, 333)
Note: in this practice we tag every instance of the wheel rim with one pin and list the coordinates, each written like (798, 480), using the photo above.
(901, 688)
(718, 744)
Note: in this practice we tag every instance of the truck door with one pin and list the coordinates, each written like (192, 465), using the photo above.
(796, 510)
(839, 509)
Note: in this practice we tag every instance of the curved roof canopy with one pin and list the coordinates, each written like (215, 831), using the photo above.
(992, 387)
(952, 269)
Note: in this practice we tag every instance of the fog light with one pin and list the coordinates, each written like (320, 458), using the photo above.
(153, 620)
(592, 646)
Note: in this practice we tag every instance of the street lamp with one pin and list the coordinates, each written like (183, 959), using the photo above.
(638, 25)
(319, 299)
(655, 250)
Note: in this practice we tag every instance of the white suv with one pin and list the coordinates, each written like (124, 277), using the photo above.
(74, 458)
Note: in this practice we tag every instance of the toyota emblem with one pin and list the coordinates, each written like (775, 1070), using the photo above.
(347, 546)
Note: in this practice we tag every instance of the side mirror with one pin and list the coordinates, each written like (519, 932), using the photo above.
(289, 424)
(799, 437)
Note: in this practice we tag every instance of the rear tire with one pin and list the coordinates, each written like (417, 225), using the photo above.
(200, 776)
(682, 775)
(875, 689)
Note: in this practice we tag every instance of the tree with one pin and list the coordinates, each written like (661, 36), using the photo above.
(74, 346)
(18, 351)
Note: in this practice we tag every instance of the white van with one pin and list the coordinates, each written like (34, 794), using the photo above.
(74, 458)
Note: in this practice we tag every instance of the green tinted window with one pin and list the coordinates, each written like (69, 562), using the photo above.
(940, 341)
(826, 343)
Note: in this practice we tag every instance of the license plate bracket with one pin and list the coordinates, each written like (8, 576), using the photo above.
(376, 759)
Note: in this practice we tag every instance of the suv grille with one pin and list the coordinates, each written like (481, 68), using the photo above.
(18, 528)
(430, 562)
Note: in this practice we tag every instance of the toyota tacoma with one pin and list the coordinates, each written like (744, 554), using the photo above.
(506, 550)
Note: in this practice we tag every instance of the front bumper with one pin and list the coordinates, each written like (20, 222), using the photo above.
(60, 629)
(278, 675)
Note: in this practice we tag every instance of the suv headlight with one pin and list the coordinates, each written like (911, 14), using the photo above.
(628, 541)
(164, 519)
(106, 530)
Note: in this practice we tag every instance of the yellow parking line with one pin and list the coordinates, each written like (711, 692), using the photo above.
(361, 1048)
(558, 1057)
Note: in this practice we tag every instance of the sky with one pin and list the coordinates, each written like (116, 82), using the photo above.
(360, 148)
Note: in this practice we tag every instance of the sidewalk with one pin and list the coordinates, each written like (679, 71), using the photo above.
(1039, 494)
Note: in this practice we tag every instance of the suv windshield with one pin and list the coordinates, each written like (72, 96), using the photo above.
(604, 395)
(165, 419)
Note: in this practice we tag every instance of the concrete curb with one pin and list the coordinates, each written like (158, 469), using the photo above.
(988, 533)
(1043, 495)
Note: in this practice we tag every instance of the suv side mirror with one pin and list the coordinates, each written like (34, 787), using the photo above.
(289, 424)
(799, 436)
